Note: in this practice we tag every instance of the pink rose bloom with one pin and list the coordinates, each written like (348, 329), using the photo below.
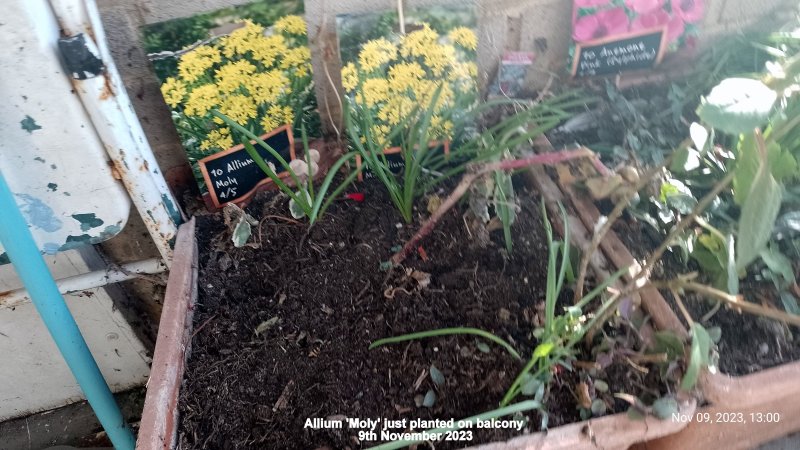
(644, 6)
(655, 19)
(675, 29)
(609, 22)
(590, 3)
(690, 11)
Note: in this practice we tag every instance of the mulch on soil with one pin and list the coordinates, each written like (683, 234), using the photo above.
(327, 300)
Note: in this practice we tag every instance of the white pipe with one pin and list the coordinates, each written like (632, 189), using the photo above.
(91, 280)
(103, 94)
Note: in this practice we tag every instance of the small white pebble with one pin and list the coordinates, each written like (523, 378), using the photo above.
(600, 222)
(210, 286)
(436, 349)
(398, 225)
(525, 280)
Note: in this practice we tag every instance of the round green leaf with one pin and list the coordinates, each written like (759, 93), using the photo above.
(737, 105)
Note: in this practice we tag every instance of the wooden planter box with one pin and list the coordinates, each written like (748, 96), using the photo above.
(774, 390)
(158, 429)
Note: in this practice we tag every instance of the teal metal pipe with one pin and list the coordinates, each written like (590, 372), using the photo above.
(32, 270)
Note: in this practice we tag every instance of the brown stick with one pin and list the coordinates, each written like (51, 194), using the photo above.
(615, 214)
(734, 301)
(595, 243)
(469, 178)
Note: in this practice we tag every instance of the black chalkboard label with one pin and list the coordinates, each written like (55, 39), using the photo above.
(610, 56)
(394, 158)
(233, 176)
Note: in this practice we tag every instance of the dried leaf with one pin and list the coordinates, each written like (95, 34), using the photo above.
(263, 327)
(434, 203)
(603, 187)
(582, 393)
(241, 234)
(423, 278)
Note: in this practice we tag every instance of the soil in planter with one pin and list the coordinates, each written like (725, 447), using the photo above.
(319, 298)
(748, 343)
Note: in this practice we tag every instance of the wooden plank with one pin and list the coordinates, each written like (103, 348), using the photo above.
(160, 415)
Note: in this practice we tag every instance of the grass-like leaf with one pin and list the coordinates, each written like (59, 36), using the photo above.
(446, 332)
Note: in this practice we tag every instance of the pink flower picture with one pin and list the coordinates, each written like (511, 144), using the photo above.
(645, 6)
(597, 19)
(591, 3)
(654, 19)
(690, 11)
(608, 22)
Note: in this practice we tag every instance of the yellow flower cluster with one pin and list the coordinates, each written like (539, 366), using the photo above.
(463, 37)
(194, 64)
(291, 25)
(267, 50)
(376, 53)
(277, 116)
(267, 87)
(298, 60)
(232, 76)
(241, 39)
(201, 100)
(255, 79)
(397, 80)
(174, 91)
(219, 138)
(238, 107)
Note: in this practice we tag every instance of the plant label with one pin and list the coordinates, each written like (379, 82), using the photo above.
(394, 158)
(610, 56)
(233, 176)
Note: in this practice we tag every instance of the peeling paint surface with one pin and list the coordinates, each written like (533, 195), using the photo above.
(38, 214)
(50, 248)
(29, 124)
(171, 209)
(51, 155)
(88, 221)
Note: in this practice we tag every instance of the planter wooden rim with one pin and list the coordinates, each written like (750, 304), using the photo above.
(158, 429)
(766, 391)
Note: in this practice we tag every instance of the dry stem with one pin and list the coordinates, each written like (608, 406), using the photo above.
(734, 301)
(619, 208)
